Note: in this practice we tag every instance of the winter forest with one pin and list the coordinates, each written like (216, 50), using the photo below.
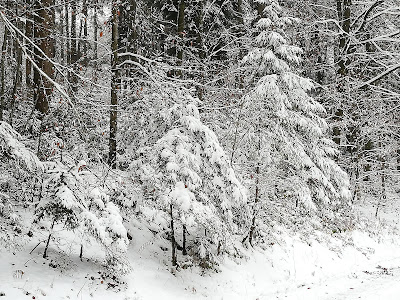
(192, 149)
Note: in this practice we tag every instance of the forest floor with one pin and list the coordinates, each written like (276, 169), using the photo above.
(354, 265)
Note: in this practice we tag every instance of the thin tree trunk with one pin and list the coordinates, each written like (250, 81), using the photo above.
(48, 239)
(62, 42)
(16, 83)
(85, 30)
(383, 183)
(112, 158)
(200, 46)
(127, 40)
(3, 71)
(173, 242)
(344, 15)
(398, 159)
(184, 240)
(236, 133)
(253, 221)
(256, 200)
(343, 9)
(67, 34)
(28, 33)
(95, 31)
(81, 253)
(181, 34)
(82, 44)
(74, 54)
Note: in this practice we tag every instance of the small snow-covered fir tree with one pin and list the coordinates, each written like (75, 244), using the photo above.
(288, 157)
(72, 199)
(192, 179)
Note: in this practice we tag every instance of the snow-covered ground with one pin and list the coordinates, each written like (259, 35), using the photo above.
(354, 266)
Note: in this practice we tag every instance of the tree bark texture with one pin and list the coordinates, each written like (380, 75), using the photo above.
(112, 158)
(3, 72)
(29, 35)
(173, 242)
(44, 22)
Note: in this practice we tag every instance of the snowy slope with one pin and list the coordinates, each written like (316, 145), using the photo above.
(294, 271)
(348, 265)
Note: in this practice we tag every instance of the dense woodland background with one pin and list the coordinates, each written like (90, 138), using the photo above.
(215, 123)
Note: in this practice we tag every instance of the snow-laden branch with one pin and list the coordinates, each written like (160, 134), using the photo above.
(376, 78)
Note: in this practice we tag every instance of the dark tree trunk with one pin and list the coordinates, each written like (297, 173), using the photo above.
(173, 242)
(62, 29)
(253, 221)
(181, 29)
(44, 23)
(344, 16)
(398, 159)
(29, 35)
(3, 72)
(16, 84)
(184, 240)
(127, 39)
(257, 192)
(82, 45)
(85, 29)
(112, 158)
(382, 201)
(74, 48)
(67, 34)
(81, 253)
(48, 239)
(95, 31)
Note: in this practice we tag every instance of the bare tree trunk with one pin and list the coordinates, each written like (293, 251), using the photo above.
(62, 42)
(74, 54)
(82, 44)
(112, 158)
(173, 242)
(184, 240)
(382, 201)
(253, 221)
(3, 71)
(257, 196)
(181, 29)
(398, 160)
(48, 239)
(16, 84)
(344, 15)
(81, 252)
(85, 30)
(67, 33)
(95, 31)
(127, 39)
(29, 34)
(343, 9)
(44, 23)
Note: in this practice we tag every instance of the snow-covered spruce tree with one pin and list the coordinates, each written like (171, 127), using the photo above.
(72, 199)
(192, 181)
(283, 152)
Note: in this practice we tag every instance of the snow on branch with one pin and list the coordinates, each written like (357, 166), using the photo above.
(10, 145)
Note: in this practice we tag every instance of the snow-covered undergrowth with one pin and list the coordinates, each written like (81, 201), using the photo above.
(294, 269)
